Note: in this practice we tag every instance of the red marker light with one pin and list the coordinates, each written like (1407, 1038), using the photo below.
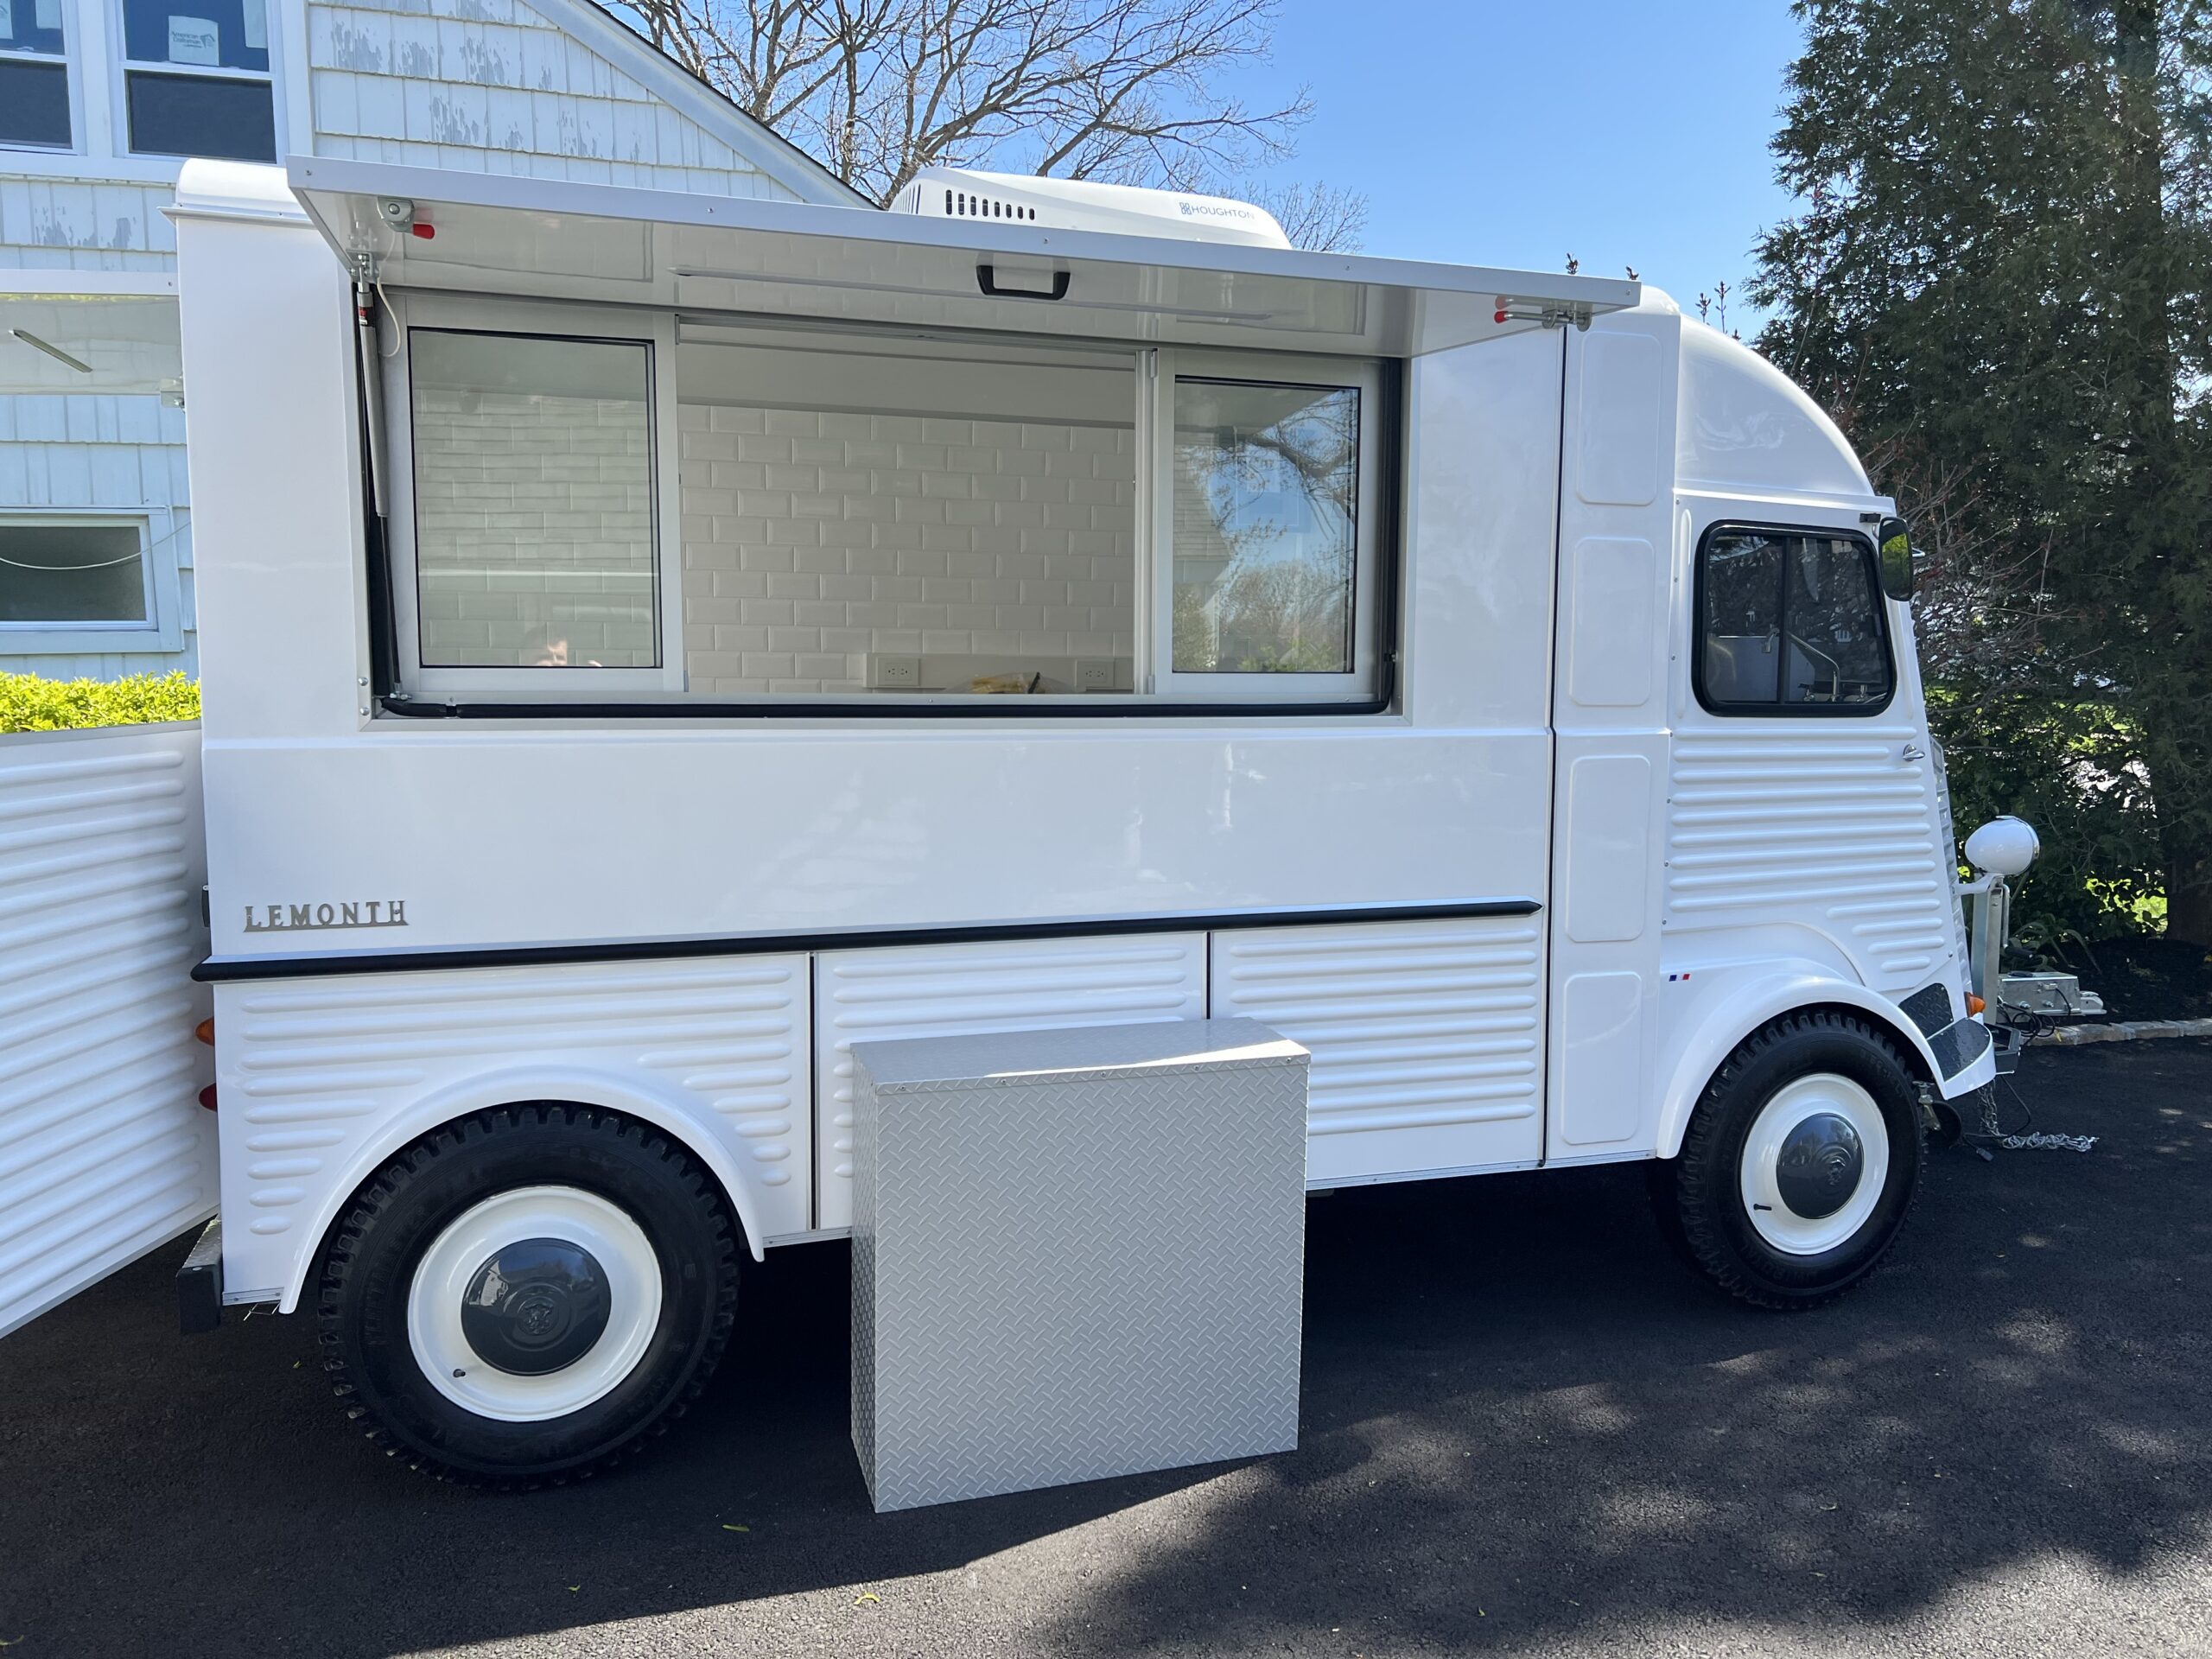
(428, 233)
(208, 1096)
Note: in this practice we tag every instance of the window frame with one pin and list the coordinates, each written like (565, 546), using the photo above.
(122, 66)
(1362, 375)
(530, 319)
(68, 58)
(162, 630)
(407, 688)
(1779, 709)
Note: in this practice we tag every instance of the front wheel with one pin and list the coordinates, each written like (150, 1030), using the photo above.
(1800, 1163)
(528, 1295)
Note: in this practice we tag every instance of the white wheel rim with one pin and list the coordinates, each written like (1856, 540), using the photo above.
(443, 1276)
(1823, 1093)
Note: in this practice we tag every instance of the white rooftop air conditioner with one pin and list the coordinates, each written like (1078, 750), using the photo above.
(1080, 204)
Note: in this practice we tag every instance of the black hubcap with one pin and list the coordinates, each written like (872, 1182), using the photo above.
(1820, 1166)
(536, 1306)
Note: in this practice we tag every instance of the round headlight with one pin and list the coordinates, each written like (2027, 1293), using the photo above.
(2002, 846)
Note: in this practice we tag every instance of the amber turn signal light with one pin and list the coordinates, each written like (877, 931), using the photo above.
(205, 1031)
(1974, 1005)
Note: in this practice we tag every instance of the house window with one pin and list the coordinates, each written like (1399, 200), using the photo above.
(535, 543)
(196, 81)
(1790, 623)
(34, 76)
(72, 575)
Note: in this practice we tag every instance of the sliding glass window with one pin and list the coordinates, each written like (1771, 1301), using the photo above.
(834, 519)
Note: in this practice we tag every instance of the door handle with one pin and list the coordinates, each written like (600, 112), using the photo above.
(1913, 752)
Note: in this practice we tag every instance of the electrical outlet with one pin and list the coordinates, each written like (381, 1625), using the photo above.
(894, 673)
(1094, 674)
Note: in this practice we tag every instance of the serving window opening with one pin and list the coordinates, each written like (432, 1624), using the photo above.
(773, 517)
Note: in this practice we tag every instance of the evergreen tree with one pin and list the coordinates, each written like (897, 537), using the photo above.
(1999, 285)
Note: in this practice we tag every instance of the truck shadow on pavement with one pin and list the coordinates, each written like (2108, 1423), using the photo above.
(1524, 1421)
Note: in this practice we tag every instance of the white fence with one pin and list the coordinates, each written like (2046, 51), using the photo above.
(106, 1151)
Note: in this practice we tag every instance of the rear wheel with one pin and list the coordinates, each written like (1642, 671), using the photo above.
(1800, 1163)
(528, 1295)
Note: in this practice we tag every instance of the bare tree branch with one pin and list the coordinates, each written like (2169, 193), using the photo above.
(1318, 216)
(1123, 91)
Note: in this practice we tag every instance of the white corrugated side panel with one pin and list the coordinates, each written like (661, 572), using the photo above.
(962, 989)
(323, 1078)
(105, 1149)
(1425, 1038)
(1826, 827)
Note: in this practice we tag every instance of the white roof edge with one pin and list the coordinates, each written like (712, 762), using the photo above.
(211, 189)
(638, 57)
(492, 190)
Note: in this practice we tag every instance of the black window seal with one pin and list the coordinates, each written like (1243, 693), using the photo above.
(1778, 709)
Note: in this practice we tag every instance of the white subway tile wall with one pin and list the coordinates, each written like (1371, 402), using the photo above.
(814, 541)
(533, 526)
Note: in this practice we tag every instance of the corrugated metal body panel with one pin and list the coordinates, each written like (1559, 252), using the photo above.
(1426, 1037)
(953, 990)
(320, 1077)
(104, 1150)
(1832, 830)
(493, 85)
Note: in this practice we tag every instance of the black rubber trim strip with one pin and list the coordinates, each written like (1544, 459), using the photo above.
(224, 970)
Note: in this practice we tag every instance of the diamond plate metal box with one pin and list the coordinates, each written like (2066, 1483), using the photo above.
(1075, 1253)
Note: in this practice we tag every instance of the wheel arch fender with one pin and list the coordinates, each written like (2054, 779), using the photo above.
(491, 1089)
(1736, 1001)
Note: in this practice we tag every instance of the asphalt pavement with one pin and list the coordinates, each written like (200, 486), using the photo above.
(1527, 1429)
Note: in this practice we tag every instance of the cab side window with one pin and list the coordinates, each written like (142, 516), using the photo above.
(1790, 623)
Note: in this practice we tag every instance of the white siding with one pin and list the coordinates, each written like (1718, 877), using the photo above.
(86, 224)
(493, 85)
(113, 452)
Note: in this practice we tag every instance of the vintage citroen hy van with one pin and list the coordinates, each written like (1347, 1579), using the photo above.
(653, 642)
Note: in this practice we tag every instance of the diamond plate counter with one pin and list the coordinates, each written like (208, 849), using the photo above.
(1075, 1253)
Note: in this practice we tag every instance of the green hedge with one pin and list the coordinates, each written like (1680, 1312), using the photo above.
(28, 703)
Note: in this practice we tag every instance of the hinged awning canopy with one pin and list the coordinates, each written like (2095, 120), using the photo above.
(707, 255)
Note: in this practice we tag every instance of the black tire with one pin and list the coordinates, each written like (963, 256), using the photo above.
(1702, 1204)
(370, 1267)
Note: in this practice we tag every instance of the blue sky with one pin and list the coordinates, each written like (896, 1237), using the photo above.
(1510, 134)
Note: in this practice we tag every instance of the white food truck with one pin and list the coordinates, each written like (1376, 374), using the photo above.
(653, 642)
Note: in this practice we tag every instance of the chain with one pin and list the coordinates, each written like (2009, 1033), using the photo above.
(2033, 1141)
